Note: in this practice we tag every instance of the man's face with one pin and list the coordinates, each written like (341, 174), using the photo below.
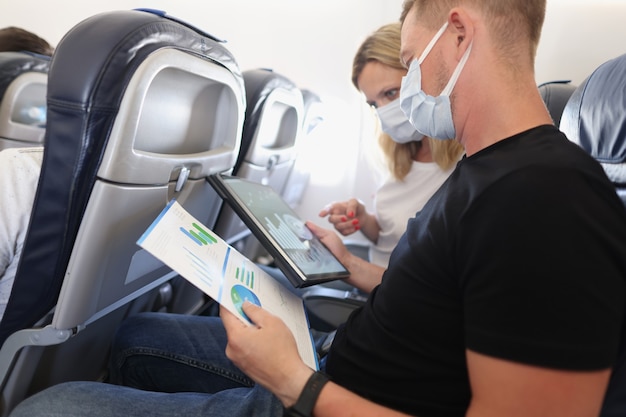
(414, 38)
(411, 34)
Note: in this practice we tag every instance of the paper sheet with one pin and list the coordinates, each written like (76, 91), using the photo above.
(203, 258)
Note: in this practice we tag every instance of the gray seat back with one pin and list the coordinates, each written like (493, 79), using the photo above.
(23, 82)
(154, 107)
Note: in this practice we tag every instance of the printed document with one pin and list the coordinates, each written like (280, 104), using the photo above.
(203, 258)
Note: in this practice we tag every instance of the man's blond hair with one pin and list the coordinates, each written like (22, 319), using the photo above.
(509, 21)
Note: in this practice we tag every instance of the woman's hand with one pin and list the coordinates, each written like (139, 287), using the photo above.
(345, 216)
(350, 216)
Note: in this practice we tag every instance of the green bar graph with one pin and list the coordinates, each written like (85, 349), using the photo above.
(245, 277)
(197, 236)
(207, 236)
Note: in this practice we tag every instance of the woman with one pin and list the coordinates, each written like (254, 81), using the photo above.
(417, 165)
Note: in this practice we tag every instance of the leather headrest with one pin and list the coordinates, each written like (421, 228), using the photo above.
(555, 95)
(595, 118)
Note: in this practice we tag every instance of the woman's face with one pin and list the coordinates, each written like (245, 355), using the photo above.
(380, 83)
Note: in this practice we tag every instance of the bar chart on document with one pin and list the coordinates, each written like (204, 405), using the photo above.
(203, 270)
(185, 245)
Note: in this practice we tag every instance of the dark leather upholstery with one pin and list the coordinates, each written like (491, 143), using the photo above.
(595, 119)
(556, 94)
(14, 64)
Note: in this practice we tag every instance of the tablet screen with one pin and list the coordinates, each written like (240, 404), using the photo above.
(299, 254)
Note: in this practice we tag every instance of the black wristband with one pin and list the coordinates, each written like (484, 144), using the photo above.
(308, 397)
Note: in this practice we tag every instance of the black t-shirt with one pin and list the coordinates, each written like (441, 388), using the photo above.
(520, 255)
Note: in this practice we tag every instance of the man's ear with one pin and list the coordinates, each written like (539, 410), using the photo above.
(462, 25)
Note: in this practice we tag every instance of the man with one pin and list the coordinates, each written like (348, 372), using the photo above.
(496, 280)
(488, 308)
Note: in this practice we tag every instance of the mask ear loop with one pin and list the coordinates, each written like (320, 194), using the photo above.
(432, 43)
(457, 72)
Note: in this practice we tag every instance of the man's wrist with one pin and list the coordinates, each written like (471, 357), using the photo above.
(305, 403)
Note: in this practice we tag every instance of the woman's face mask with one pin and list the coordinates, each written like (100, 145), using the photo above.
(432, 116)
(396, 125)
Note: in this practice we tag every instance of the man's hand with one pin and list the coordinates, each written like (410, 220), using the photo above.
(266, 352)
(363, 275)
(332, 241)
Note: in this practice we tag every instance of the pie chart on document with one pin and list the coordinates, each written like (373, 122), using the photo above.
(240, 294)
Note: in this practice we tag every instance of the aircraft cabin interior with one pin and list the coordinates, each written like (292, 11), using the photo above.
(177, 150)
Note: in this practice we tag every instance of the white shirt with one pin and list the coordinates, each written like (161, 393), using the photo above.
(398, 201)
(19, 175)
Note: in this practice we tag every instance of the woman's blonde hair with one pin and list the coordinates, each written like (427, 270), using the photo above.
(383, 46)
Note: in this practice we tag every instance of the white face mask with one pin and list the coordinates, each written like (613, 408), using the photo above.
(395, 124)
(430, 115)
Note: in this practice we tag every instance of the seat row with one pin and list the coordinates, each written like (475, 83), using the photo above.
(140, 108)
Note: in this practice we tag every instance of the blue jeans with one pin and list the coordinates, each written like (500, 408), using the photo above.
(163, 365)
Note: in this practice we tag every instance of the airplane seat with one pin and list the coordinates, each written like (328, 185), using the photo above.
(272, 125)
(555, 95)
(142, 108)
(23, 82)
(330, 304)
(313, 117)
(595, 119)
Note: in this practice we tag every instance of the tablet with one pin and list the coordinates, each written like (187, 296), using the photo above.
(297, 252)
